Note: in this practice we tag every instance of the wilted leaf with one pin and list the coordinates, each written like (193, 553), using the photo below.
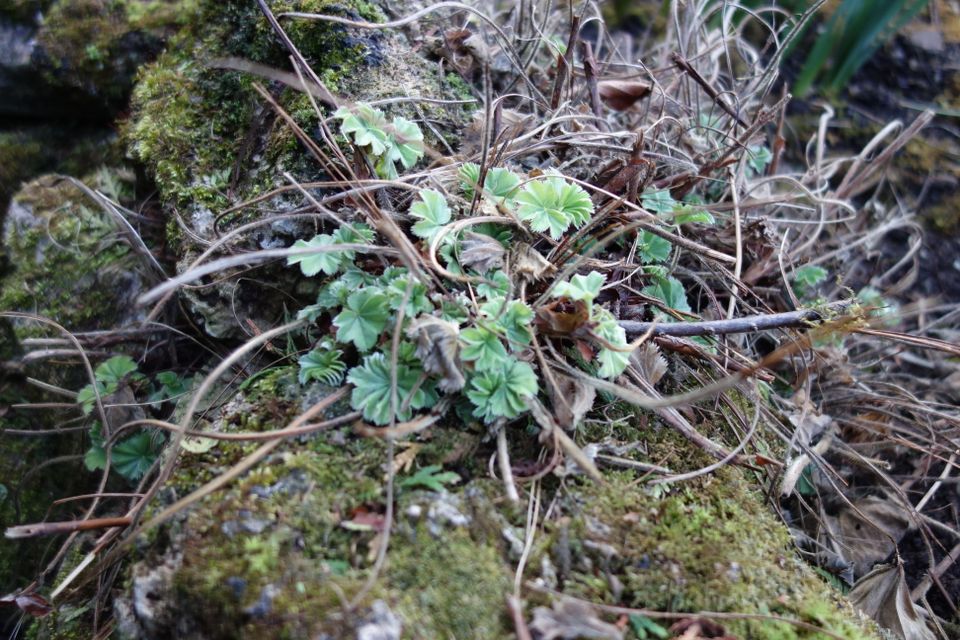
(622, 94)
(571, 400)
(529, 264)
(560, 318)
(650, 362)
(481, 252)
(883, 595)
(570, 620)
(866, 539)
(438, 349)
(30, 603)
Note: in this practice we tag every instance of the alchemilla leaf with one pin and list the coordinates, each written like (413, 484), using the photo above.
(553, 205)
(433, 213)
(363, 318)
(580, 287)
(502, 392)
(371, 393)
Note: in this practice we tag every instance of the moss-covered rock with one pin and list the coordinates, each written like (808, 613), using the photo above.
(78, 58)
(280, 552)
(70, 261)
(210, 140)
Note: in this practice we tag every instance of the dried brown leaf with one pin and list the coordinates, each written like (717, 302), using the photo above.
(438, 349)
(869, 532)
(481, 252)
(651, 364)
(571, 619)
(571, 399)
(622, 94)
(883, 595)
(529, 264)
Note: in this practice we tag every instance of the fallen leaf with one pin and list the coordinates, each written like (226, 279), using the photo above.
(560, 318)
(622, 94)
(481, 252)
(571, 399)
(528, 264)
(30, 603)
(570, 620)
(403, 461)
(882, 594)
(651, 364)
(438, 350)
(869, 531)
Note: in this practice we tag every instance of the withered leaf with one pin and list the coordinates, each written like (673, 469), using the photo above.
(571, 619)
(883, 595)
(29, 602)
(571, 399)
(560, 318)
(869, 538)
(529, 264)
(622, 94)
(481, 252)
(650, 362)
(438, 349)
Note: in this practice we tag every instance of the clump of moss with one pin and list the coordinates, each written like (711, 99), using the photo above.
(706, 545)
(69, 263)
(96, 45)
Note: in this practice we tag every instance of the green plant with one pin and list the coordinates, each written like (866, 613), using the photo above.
(855, 30)
(430, 477)
(851, 35)
(470, 342)
(131, 457)
(385, 143)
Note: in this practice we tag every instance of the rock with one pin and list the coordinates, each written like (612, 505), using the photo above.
(69, 261)
(77, 59)
(211, 141)
(381, 624)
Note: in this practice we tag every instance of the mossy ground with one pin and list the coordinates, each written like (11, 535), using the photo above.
(273, 555)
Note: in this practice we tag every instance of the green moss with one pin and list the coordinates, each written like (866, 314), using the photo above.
(451, 586)
(193, 124)
(709, 544)
(69, 264)
(97, 45)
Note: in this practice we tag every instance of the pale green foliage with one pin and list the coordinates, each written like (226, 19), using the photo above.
(363, 318)
(652, 248)
(580, 287)
(330, 261)
(431, 477)
(433, 213)
(670, 291)
(502, 392)
(371, 393)
(513, 317)
(482, 347)
(687, 214)
(386, 143)
(758, 157)
(612, 362)
(658, 201)
(132, 456)
(323, 365)
(313, 263)
(807, 278)
(502, 184)
(107, 377)
(552, 204)
(497, 286)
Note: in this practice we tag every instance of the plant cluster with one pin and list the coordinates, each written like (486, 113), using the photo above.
(471, 342)
(115, 380)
